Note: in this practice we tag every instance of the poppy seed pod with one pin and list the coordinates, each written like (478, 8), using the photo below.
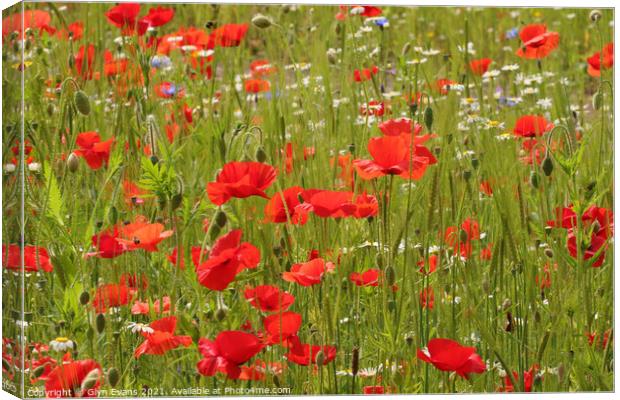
(113, 376)
(176, 201)
(84, 298)
(261, 21)
(547, 166)
(380, 260)
(71, 61)
(73, 162)
(82, 103)
(549, 252)
(595, 15)
(100, 323)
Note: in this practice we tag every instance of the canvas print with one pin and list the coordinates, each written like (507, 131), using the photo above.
(219, 199)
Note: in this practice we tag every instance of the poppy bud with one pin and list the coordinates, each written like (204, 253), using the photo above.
(331, 56)
(71, 61)
(176, 201)
(380, 260)
(437, 150)
(595, 15)
(509, 322)
(154, 159)
(428, 118)
(597, 100)
(547, 165)
(405, 49)
(355, 360)
(73, 162)
(549, 252)
(352, 148)
(409, 339)
(100, 323)
(38, 371)
(261, 156)
(113, 376)
(82, 103)
(261, 21)
(390, 276)
(220, 314)
(90, 381)
(475, 163)
(214, 231)
(320, 358)
(534, 179)
(84, 298)
(221, 218)
(466, 175)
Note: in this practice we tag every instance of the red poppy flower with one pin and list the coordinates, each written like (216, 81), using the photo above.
(162, 339)
(125, 16)
(268, 298)
(404, 127)
(537, 42)
(144, 308)
(364, 11)
(197, 254)
(328, 203)
(29, 19)
(479, 67)
(111, 295)
(281, 327)
(84, 60)
(594, 62)
(257, 86)
(293, 152)
(369, 277)
(365, 206)
(308, 273)
(544, 281)
(227, 352)
(241, 179)
(142, 235)
(373, 390)
(229, 35)
(594, 339)
(76, 29)
(113, 66)
(448, 355)
(365, 74)
(133, 193)
(460, 239)
(134, 281)
(486, 253)
(67, 379)
(486, 188)
(227, 258)
(93, 150)
(427, 298)
(106, 244)
(443, 85)
(528, 380)
(36, 258)
(392, 156)
(429, 268)
(374, 107)
(260, 68)
(285, 206)
(305, 354)
(532, 126)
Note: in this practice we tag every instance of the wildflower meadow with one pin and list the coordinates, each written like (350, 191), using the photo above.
(216, 199)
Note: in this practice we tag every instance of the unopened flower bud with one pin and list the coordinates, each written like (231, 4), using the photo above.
(82, 103)
(84, 298)
(100, 323)
(113, 376)
(261, 21)
(73, 162)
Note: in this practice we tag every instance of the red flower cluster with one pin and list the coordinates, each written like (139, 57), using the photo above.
(36, 258)
(241, 179)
